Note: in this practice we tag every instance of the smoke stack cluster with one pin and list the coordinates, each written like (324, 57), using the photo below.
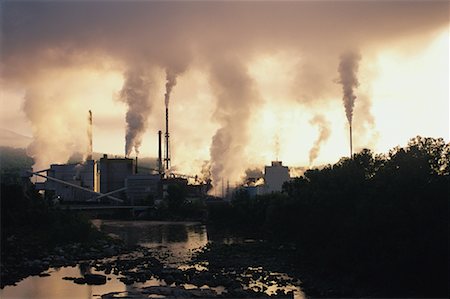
(348, 69)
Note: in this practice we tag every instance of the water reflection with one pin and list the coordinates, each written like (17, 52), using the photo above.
(174, 240)
(54, 287)
(175, 244)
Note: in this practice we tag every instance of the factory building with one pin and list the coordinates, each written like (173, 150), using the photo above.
(181, 182)
(142, 188)
(275, 176)
(84, 175)
(253, 191)
(114, 172)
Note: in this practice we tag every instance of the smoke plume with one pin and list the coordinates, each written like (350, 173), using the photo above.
(53, 114)
(348, 69)
(171, 81)
(236, 96)
(44, 35)
(324, 134)
(135, 93)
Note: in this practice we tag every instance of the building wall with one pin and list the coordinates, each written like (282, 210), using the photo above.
(253, 191)
(140, 186)
(275, 176)
(83, 175)
(113, 173)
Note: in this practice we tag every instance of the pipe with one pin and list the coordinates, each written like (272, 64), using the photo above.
(160, 162)
(89, 132)
(107, 194)
(167, 159)
(136, 165)
(351, 145)
(72, 185)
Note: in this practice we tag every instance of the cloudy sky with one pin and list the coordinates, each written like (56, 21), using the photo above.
(251, 81)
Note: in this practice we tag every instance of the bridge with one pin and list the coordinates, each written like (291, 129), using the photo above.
(97, 211)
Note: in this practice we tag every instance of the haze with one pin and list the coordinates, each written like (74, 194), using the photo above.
(247, 74)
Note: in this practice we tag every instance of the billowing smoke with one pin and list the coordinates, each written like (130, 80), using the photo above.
(348, 70)
(58, 121)
(135, 93)
(236, 96)
(171, 81)
(297, 171)
(253, 176)
(324, 134)
(205, 171)
(67, 36)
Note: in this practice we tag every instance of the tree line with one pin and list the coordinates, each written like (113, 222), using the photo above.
(375, 221)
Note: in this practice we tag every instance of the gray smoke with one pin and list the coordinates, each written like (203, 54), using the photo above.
(171, 81)
(135, 93)
(324, 134)
(236, 97)
(52, 36)
(348, 69)
(252, 175)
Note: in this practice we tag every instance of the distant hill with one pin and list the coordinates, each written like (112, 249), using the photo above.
(13, 139)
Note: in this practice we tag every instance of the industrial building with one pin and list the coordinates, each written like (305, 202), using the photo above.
(114, 172)
(142, 189)
(275, 176)
(83, 175)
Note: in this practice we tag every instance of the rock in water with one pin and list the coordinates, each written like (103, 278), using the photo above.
(95, 279)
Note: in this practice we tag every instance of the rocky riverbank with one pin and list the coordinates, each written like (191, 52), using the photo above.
(193, 279)
(23, 257)
(246, 269)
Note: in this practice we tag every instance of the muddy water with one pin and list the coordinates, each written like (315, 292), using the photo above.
(175, 244)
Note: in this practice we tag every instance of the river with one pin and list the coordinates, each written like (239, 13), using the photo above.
(174, 242)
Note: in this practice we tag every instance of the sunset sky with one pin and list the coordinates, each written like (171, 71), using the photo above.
(249, 76)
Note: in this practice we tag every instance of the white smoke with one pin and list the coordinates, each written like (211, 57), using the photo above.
(324, 134)
(135, 93)
(348, 70)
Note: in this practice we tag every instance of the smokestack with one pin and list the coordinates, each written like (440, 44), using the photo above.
(167, 158)
(136, 165)
(89, 132)
(160, 162)
(351, 145)
(348, 70)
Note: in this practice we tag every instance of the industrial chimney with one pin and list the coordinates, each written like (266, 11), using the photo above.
(167, 158)
(351, 142)
(160, 161)
(89, 133)
(136, 169)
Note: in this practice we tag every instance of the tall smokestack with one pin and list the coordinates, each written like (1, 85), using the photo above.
(351, 145)
(171, 81)
(89, 133)
(348, 70)
(167, 158)
(160, 161)
(136, 170)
